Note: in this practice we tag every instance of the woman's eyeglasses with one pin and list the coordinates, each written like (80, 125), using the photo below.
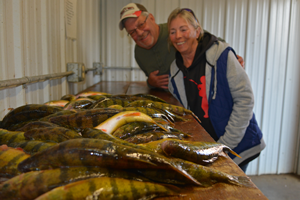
(141, 26)
(189, 10)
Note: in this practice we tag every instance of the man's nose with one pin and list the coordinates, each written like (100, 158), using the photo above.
(139, 32)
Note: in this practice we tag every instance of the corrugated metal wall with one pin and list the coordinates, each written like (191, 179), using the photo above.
(264, 32)
(33, 42)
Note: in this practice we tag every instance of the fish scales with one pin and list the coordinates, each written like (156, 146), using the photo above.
(151, 136)
(84, 119)
(8, 137)
(197, 152)
(60, 113)
(94, 152)
(164, 107)
(36, 124)
(10, 158)
(110, 188)
(32, 146)
(30, 185)
(29, 111)
(51, 134)
(150, 97)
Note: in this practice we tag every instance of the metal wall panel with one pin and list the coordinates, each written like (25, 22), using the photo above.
(33, 42)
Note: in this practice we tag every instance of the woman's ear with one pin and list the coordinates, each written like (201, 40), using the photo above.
(198, 31)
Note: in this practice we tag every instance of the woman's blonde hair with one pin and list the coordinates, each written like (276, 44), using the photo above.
(189, 16)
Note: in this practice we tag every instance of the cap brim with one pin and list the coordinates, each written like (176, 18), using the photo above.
(132, 15)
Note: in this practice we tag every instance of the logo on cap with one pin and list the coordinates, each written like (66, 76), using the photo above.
(125, 10)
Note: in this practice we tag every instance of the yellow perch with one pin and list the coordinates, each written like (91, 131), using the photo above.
(106, 188)
(114, 122)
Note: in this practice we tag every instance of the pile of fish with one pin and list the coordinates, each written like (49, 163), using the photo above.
(100, 146)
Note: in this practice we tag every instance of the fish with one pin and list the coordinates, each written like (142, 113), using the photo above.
(98, 134)
(90, 93)
(7, 137)
(104, 103)
(111, 124)
(60, 103)
(68, 97)
(105, 188)
(36, 124)
(30, 185)
(79, 104)
(85, 119)
(32, 146)
(10, 158)
(119, 107)
(196, 152)
(96, 152)
(151, 112)
(60, 113)
(150, 97)
(152, 136)
(206, 176)
(98, 97)
(51, 134)
(133, 128)
(26, 113)
(169, 108)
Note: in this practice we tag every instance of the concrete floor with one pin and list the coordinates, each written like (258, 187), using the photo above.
(278, 187)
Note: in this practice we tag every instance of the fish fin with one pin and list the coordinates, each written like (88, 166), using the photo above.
(242, 181)
(179, 169)
(195, 116)
(162, 127)
(231, 151)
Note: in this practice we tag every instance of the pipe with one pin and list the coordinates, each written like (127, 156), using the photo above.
(122, 68)
(90, 69)
(32, 79)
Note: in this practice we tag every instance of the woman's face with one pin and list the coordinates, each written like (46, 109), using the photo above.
(183, 35)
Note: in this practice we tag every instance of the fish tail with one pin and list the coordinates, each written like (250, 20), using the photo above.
(241, 181)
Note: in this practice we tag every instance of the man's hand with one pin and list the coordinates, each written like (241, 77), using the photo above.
(241, 61)
(158, 81)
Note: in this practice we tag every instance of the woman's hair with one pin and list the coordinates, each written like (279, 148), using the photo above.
(189, 16)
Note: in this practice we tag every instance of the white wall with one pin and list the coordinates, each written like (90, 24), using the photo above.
(264, 32)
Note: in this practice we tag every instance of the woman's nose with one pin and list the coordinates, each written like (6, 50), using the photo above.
(177, 34)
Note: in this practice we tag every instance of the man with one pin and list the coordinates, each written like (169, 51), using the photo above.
(153, 53)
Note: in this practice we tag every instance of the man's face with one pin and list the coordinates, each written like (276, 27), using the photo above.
(146, 34)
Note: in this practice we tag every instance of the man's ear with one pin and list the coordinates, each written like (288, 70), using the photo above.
(151, 17)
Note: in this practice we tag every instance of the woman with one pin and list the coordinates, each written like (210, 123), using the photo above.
(207, 78)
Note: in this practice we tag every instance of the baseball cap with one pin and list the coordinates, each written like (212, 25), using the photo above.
(130, 10)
